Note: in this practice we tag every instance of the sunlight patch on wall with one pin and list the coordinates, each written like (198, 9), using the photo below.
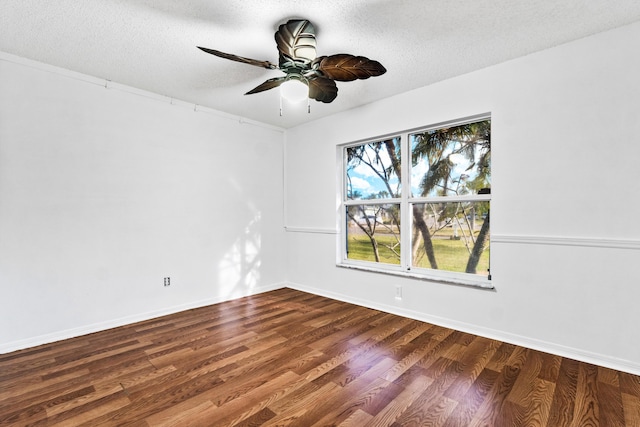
(239, 269)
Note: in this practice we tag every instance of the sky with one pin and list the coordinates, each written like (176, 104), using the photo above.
(364, 179)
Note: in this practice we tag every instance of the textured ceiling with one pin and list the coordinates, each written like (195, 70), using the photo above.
(150, 44)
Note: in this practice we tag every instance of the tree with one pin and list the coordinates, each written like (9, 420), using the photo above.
(439, 148)
(442, 152)
(374, 157)
(478, 247)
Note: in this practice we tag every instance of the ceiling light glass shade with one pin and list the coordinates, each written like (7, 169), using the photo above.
(294, 90)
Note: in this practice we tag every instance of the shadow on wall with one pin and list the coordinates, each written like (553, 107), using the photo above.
(239, 269)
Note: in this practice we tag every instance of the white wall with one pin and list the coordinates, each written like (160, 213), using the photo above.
(565, 240)
(104, 192)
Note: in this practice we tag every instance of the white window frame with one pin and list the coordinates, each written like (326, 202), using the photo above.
(406, 201)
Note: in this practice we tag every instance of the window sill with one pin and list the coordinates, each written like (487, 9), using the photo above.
(479, 283)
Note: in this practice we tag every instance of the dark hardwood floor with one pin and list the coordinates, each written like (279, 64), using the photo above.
(287, 358)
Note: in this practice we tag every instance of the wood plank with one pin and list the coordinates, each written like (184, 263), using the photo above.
(629, 384)
(473, 361)
(344, 401)
(611, 406)
(289, 358)
(631, 405)
(490, 412)
(587, 409)
(357, 419)
(432, 407)
(470, 402)
(238, 410)
(525, 385)
(87, 415)
(290, 410)
(538, 405)
(390, 413)
(564, 397)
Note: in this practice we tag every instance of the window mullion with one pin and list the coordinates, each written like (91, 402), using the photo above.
(373, 202)
(450, 199)
(405, 225)
(453, 206)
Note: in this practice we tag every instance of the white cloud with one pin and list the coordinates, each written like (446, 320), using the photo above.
(363, 170)
(360, 184)
(417, 173)
(457, 158)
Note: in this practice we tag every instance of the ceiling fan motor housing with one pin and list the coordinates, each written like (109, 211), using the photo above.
(296, 42)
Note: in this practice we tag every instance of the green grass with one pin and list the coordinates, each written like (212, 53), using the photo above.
(451, 255)
(359, 247)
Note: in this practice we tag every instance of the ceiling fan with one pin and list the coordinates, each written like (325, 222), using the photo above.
(296, 41)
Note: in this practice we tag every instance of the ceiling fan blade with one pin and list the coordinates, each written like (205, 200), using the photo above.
(296, 42)
(322, 89)
(345, 67)
(264, 64)
(269, 84)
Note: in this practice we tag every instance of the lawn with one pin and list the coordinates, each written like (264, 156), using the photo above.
(451, 255)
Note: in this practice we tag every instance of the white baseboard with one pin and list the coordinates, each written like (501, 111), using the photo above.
(101, 326)
(548, 347)
(532, 343)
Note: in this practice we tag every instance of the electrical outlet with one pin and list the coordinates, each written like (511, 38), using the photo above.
(398, 292)
(167, 281)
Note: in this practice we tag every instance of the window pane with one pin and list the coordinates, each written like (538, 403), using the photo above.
(451, 236)
(373, 233)
(373, 170)
(451, 161)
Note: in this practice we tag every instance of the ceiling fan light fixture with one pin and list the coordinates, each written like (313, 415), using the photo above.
(294, 90)
(307, 76)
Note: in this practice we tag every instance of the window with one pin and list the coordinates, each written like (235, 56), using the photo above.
(417, 203)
